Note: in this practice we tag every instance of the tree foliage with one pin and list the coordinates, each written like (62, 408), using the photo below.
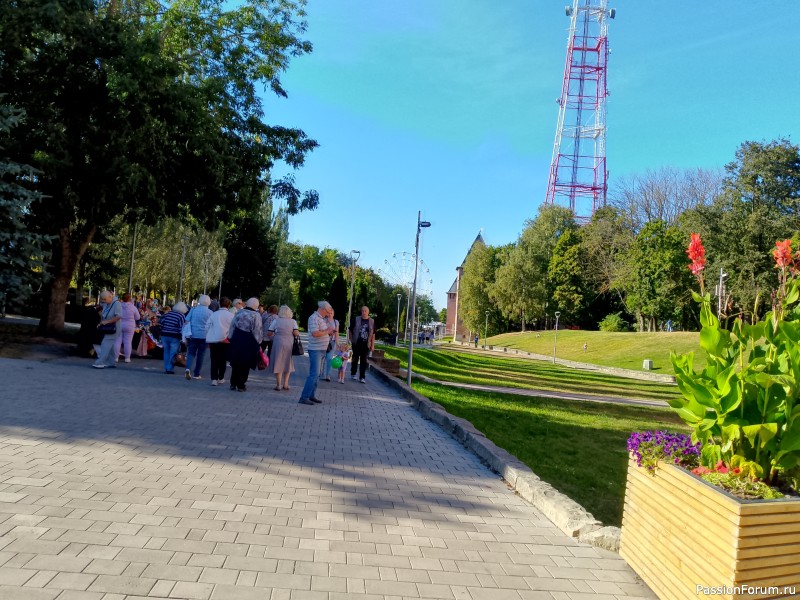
(172, 125)
(22, 253)
(521, 283)
(656, 281)
(759, 205)
(566, 274)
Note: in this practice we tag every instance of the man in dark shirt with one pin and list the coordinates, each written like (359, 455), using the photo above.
(362, 339)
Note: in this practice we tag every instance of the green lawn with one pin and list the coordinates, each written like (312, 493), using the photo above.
(446, 364)
(626, 350)
(577, 447)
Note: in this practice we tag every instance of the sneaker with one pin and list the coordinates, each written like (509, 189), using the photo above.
(220, 381)
(169, 372)
(315, 400)
(197, 377)
(233, 388)
(214, 382)
(328, 379)
(354, 378)
(96, 366)
(306, 402)
(187, 374)
(362, 380)
(341, 381)
(127, 360)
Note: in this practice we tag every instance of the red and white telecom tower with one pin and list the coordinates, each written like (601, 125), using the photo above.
(578, 174)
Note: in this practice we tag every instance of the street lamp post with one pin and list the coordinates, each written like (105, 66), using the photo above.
(133, 255)
(353, 262)
(485, 330)
(420, 225)
(184, 240)
(555, 337)
(207, 256)
(397, 326)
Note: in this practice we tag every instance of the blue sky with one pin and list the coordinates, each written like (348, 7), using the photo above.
(448, 107)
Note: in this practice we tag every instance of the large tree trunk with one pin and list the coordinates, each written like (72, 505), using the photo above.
(66, 254)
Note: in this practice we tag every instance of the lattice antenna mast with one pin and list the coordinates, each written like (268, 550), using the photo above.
(578, 174)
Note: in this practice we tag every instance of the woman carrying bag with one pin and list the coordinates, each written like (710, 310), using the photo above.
(245, 344)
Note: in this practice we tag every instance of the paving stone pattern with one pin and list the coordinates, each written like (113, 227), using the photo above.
(126, 483)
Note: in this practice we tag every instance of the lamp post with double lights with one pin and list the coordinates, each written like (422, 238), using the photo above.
(420, 225)
(397, 326)
(184, 241)
(353, 262)
(485, 330)
(555, 337)
(207, 257)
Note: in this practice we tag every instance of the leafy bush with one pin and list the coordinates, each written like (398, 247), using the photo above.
(614, 323)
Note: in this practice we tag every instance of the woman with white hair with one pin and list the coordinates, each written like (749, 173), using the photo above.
(171, 324)
(198, 318)
(109, 326)
(245, 344)
(282, 331)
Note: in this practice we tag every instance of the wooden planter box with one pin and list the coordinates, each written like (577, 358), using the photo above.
(679, 532)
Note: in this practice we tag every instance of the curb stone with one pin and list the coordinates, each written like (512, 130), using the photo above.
(569, 516)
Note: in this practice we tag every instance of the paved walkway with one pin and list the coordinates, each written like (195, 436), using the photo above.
(126, 483)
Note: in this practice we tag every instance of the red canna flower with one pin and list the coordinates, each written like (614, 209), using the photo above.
(697, 254)
(783, 253)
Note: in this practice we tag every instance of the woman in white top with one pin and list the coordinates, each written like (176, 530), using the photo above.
(217, 339)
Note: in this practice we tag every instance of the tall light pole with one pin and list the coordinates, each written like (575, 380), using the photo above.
(720, 292)
(207, 256)
(555, 337)
(184, 240)
(397, 327)
(133, 254)
(352, 287)
(485, 330)
(420, 225)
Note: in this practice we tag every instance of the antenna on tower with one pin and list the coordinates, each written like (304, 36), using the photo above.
(578, 175)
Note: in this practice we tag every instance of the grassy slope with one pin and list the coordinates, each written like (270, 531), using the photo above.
(577, 447)
(626, 350)
(451, 365)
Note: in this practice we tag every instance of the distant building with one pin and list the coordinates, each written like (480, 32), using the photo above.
(455, 325)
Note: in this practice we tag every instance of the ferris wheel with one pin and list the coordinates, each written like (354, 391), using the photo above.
(399, 270)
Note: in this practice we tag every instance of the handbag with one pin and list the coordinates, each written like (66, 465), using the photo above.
(297, 347)
(263, 360)
(179, 360)
(186, 330)
(107, 327)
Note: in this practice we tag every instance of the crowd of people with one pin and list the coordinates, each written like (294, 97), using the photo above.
(243, 335)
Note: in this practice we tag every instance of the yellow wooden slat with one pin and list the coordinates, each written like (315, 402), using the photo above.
(693, 543)
(679, 556)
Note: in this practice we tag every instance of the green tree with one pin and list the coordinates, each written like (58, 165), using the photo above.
(172, 128)
(566, 273)
(22, 254)
(479, 275)
(759, 205)
(656, 281)
(443, 315)
(522, 279)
